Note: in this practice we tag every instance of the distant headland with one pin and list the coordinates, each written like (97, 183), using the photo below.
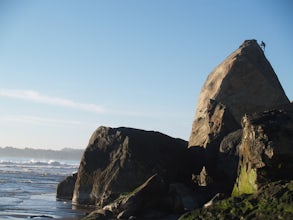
(63, 154)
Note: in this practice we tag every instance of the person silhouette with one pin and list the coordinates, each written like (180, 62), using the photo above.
(263, 45)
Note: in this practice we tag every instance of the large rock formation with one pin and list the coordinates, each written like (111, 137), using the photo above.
(266, 151)
(128, 172)
(245, 82)
(117, 160)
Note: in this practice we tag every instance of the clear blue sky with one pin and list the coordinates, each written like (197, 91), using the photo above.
(67, 67)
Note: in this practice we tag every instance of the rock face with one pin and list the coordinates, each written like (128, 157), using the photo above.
(266, 151)
(117, 160)
(245, 82)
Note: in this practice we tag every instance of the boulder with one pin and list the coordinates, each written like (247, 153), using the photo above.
(65, 187)
(266, 151)
(117, 160)
(244, 83)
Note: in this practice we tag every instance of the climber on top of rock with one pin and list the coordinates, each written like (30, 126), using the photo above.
(263, 45)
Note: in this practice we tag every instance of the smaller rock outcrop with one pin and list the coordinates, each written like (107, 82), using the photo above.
(66, 187)
(266, 151)
(117, 160)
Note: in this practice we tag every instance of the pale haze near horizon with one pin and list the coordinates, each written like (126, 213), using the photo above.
(68, 67)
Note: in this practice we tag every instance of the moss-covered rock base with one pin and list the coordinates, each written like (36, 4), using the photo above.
(273, 201)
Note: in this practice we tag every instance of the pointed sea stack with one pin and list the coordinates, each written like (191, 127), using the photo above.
(243, 83)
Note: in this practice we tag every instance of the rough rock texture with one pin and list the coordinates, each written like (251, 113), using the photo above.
(65, 188)
(117, 160)
(266, 151)
(272, 201)
(245, 82)
(216, 123)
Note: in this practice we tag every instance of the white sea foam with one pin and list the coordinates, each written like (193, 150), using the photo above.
(42, 162)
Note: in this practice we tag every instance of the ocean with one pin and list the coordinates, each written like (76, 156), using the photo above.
(28, 189)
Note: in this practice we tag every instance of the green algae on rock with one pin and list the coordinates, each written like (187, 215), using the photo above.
(273, 201)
